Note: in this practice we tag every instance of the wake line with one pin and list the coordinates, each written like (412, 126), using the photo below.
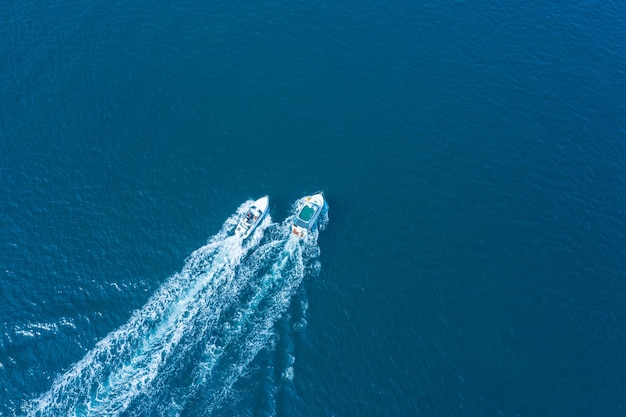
(185, 351)
(273, 274)
(253, 326)
(123, 365)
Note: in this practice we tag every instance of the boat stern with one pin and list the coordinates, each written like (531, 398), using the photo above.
(299, 231)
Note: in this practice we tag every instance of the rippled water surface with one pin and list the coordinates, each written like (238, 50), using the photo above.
(472, 155)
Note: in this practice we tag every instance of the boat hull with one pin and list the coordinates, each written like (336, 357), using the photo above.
(308, 216)
(253, 217)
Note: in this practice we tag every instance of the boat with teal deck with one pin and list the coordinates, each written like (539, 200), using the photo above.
(309, 214)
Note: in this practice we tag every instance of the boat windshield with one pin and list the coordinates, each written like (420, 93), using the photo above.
(306, 213)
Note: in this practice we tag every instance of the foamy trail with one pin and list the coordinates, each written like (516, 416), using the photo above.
(271, 275)
(197, 336)
(124, 365)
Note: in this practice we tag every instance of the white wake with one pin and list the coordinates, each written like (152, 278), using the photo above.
(197, 335)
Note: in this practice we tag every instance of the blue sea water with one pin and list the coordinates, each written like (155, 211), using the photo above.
(473, 156)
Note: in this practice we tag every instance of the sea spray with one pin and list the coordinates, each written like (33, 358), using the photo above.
(123, 365)
(196, 338)
(274, 273)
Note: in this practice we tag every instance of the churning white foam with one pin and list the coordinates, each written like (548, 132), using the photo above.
(198, 333)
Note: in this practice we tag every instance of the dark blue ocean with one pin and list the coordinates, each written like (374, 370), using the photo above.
(473, 156)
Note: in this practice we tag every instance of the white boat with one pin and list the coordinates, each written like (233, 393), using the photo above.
(309, 214)
(253, 217)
